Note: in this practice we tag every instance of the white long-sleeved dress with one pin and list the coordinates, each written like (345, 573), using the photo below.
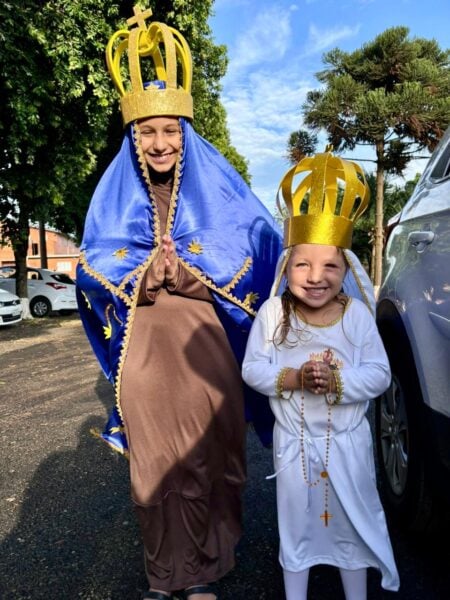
(356, 535)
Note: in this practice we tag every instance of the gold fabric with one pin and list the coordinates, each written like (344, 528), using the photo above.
(165, 47)
(323, 207)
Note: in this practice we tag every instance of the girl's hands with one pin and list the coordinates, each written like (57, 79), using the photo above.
(317, 377)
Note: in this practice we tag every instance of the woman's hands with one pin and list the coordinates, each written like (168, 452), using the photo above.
(170, 260)
(165, 266)
(316, 377)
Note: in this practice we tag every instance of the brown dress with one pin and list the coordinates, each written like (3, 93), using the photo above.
(183, 412)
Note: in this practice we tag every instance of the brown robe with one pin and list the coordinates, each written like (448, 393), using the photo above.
(183, 412)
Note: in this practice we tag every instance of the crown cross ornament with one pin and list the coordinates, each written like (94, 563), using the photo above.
(165, 47)
(324, 206)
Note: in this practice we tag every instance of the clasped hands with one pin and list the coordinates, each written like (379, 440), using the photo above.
(165, 265)
(316, 377)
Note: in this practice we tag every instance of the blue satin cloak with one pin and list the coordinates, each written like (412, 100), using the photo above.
(223, 234)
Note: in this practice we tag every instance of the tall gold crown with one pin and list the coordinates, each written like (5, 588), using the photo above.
(325, 204)
(164, 45)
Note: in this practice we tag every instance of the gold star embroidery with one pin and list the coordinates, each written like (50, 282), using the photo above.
(107, 331)
(195, 247)
(121, 253)
(116, 429)
(251, 298)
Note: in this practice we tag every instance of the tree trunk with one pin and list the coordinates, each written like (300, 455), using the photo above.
(379, 211)
(43, 245)
(372, 261)
(20, 248)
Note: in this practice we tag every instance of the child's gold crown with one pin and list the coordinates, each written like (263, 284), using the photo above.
(137, 101)
(326, 202)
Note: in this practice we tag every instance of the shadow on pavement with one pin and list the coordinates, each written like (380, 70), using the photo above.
(76, 536)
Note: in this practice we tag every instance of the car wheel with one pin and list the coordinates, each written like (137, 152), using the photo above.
(40, 307)
(400, 447)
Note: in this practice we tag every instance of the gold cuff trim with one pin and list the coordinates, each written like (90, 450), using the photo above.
(339, 386)
(279, 383)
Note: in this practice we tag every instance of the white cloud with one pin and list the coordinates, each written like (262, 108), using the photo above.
(262, 42)
(322, 39)
(262, 112)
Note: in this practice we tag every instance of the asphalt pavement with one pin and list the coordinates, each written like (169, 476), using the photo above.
(67, 528)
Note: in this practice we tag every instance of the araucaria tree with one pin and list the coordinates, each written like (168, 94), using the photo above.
(392, 94)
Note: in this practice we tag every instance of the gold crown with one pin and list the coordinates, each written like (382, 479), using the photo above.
(321, 210)
(141, 41)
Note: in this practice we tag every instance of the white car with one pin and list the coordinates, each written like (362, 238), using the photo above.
(10, 308)
(47, 290)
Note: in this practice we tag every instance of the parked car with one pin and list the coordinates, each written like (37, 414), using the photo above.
(10, 308)
(413, 314)
(47, 290)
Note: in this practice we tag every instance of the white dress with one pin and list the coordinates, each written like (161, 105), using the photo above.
(356, 535)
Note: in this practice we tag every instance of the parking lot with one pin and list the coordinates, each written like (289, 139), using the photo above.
(67, 529)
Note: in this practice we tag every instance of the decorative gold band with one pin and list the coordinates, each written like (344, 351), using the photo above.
(328, 229)
(279, 383)
(156, 103)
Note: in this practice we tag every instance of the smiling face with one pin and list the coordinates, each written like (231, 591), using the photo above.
(161, 142)
(315, 274)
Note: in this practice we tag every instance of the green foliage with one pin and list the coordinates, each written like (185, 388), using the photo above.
(301, 143)
(56, 105)
(60, 123)
(393, 87)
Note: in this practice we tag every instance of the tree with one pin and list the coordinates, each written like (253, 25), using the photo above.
(392, 94)
(56, 106)
(301, 143)
(60, 124)
(395, 197)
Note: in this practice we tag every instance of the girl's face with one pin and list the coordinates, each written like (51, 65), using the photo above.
(315, 274)
(161, 142)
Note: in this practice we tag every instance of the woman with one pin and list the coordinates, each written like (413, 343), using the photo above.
(176, 256)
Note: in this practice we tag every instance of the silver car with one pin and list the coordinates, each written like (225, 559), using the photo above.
(413, 315)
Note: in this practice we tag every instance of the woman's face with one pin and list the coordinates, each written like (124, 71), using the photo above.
(161, 142)
(315, 273)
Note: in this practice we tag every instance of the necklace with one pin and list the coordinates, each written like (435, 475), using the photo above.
(326, 516)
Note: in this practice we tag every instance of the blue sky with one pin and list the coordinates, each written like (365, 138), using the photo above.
(274, 50)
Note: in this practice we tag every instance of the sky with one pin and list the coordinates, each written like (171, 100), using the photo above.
(275, 48)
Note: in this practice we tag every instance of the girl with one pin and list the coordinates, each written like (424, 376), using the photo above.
(317, 354)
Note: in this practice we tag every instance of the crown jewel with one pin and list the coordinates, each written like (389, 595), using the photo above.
(326, 202)
(163, 45)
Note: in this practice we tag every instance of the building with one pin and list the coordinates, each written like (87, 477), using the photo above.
(62, 252)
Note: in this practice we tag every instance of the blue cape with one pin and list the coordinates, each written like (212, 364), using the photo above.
(223, 234)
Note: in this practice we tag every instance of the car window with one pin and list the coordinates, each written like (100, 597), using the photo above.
(432, 193)
(7, 272)
(62, 278)
(33, 274)
(442, 168)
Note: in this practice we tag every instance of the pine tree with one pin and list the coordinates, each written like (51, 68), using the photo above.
(393, 94)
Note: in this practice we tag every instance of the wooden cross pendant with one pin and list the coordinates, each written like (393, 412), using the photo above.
(326, 516)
